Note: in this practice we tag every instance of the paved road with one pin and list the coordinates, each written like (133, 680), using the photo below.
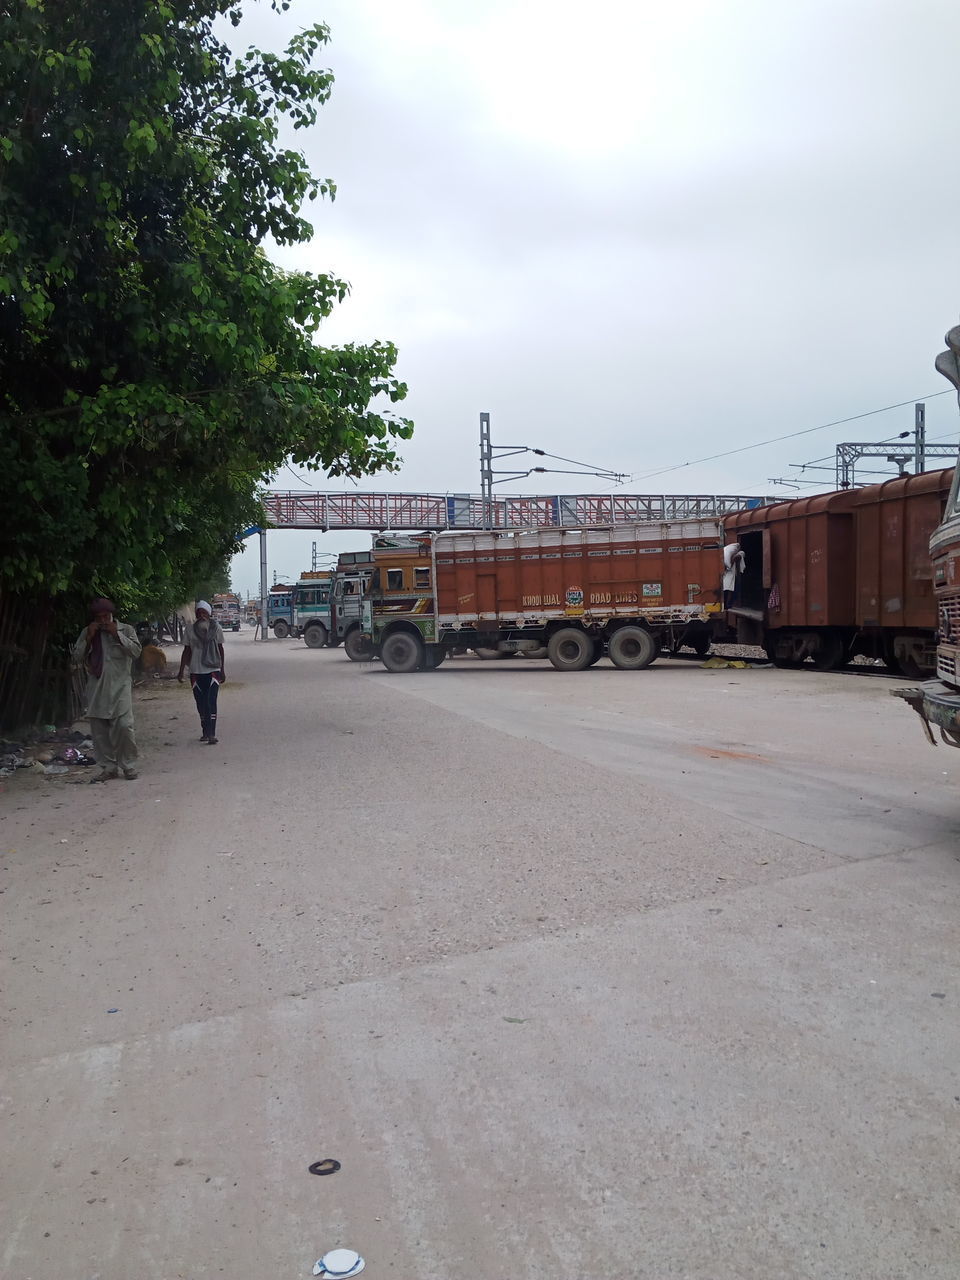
(635, 975)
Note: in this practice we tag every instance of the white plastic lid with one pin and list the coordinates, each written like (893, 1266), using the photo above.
(339, 1263)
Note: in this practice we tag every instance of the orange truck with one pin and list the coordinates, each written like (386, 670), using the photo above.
(567, 594)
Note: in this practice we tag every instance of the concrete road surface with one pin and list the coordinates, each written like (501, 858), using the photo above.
(610, 974)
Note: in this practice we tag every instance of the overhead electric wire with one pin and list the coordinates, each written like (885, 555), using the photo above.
(588, 467)
(791, 435)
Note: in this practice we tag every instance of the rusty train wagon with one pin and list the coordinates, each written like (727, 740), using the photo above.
(630, 588)
(841, 574)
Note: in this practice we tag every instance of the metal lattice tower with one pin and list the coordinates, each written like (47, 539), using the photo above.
(918, 451)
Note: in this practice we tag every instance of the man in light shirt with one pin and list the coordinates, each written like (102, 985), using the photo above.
(734, 563)
(107, 650)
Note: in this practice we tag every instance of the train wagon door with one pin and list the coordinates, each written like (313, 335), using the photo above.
(757, 577)
(487, 594)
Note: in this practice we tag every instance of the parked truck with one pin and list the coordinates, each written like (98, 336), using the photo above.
(226, 610)
(627, 590)
(937, 701)
(302, 609)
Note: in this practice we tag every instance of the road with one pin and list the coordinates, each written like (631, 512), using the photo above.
(627, 974)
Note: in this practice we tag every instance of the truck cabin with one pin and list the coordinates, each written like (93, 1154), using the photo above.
(312, 595)
(398, 574)
(350, 584)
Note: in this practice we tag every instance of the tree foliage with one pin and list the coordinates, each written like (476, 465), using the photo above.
(155, 365)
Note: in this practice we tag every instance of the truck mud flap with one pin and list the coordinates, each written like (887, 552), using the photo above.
(934, 702)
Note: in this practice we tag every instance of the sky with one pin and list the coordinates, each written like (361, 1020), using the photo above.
(637, 234)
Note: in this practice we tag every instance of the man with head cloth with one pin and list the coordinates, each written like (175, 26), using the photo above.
(203, 653)
(107, 650)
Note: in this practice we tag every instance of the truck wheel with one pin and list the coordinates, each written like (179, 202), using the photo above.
(534, 654)
(356, 646)
(570, 649)
(598, 648)
(315, 636)
(632, 648)
(280, 629)
(489, 655)
(402, 652)
(433, 655)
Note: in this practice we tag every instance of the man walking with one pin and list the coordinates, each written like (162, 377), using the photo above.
(107, 649)
(203, 650)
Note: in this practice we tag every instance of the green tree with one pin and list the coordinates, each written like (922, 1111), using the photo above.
(155, 366)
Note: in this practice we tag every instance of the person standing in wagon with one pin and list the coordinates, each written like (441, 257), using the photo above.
(203, 652)
(107, 650)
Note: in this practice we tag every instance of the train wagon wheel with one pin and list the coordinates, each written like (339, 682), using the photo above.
(632, 648)
(570, 649)
(905, 665)
(784, 664)
(830, 652)
(315, 636)
(280, 629)
(910, 669)
(356, 646)
(402, 652)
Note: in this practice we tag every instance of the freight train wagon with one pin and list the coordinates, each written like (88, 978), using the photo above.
(841, 574)
(628, 589)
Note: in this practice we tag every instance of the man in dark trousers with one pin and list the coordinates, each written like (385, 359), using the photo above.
(203, 651)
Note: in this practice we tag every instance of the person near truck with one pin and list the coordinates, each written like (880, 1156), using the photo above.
(734, 563)
(107, 650)
(203, 652)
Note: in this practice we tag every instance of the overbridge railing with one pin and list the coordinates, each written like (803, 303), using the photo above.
(292, 509)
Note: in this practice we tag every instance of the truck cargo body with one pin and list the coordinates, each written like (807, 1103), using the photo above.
(632, 588)
(841, 574)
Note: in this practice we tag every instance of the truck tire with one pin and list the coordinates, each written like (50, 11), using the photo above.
(433, 656)
(534, 654)
(570, 649)
(315, 636)
(402, 652)
(356, 647)
(281, 629)
(490, 655)
(598, 650)
(633, 648)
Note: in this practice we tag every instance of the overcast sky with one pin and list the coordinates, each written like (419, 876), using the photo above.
(637, 233)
